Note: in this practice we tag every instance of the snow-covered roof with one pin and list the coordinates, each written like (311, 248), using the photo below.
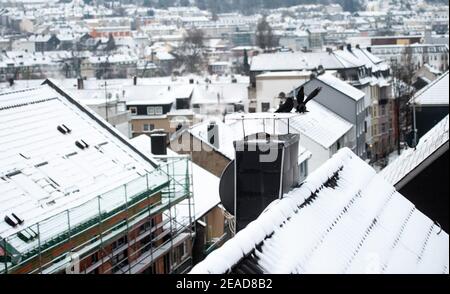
(278, 74)
(225, 92)
(435, 93)
(233, 130)
(341, 86)
(320, 125)
(162, 55)
(371, 61)
(414, 159)
(44, 171)
(205, 185)
(304, 60)
(432, 69)
(343, 219)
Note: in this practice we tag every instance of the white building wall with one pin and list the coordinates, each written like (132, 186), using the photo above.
(319, 153)
(268, 90)
(125, 129)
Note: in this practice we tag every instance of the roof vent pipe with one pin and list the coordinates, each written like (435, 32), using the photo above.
(80, 83)
(213, 134)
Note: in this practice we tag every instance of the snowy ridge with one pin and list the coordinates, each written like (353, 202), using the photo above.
(435, 93)
(341, 86)
(411, 158)
(44, 173)
(343, 219)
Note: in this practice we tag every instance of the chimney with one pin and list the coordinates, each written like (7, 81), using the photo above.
(191, 81)
(80, 83)
(265, 168)
(11, 82)
(341, 47)
(135, 80)
(349, 47)
(213, 134)
(329, 50)
(357, 46)
(369, 49)
(158, 140)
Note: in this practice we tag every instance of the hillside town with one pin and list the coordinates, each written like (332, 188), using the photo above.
(134, 136)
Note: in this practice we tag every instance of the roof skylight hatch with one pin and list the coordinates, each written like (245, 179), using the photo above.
(13, 220)
(64, 129)
(27, 235)
(61, 130)
(82, 145)
(10, 222)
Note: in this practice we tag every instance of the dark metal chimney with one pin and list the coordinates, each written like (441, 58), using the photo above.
(135, 80)
(159, 142)
(265, 168)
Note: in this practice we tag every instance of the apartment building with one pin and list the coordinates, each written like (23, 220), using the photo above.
(77, 196)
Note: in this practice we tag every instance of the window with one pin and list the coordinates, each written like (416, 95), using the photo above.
(94, 258)
(133, 110)
(147, 127)
(147, 226)
(179, 253)
(119, 261)
(119, 242)
(166, 262)
(151, 110)
(158, 110)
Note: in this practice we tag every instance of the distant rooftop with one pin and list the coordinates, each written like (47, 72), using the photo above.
(287, 61)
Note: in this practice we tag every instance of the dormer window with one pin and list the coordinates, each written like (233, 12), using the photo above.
(150, 110)
(133, 110)
(158, 110)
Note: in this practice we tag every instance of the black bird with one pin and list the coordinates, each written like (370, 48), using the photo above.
(287, 106)
(301, 102)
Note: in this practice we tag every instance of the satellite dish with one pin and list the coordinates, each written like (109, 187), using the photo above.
(226, 187)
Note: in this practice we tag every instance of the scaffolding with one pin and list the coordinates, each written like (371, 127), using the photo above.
(126, 230)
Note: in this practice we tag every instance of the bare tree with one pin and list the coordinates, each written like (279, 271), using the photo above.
(403, 75)
(190, 53)
(265, 38)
